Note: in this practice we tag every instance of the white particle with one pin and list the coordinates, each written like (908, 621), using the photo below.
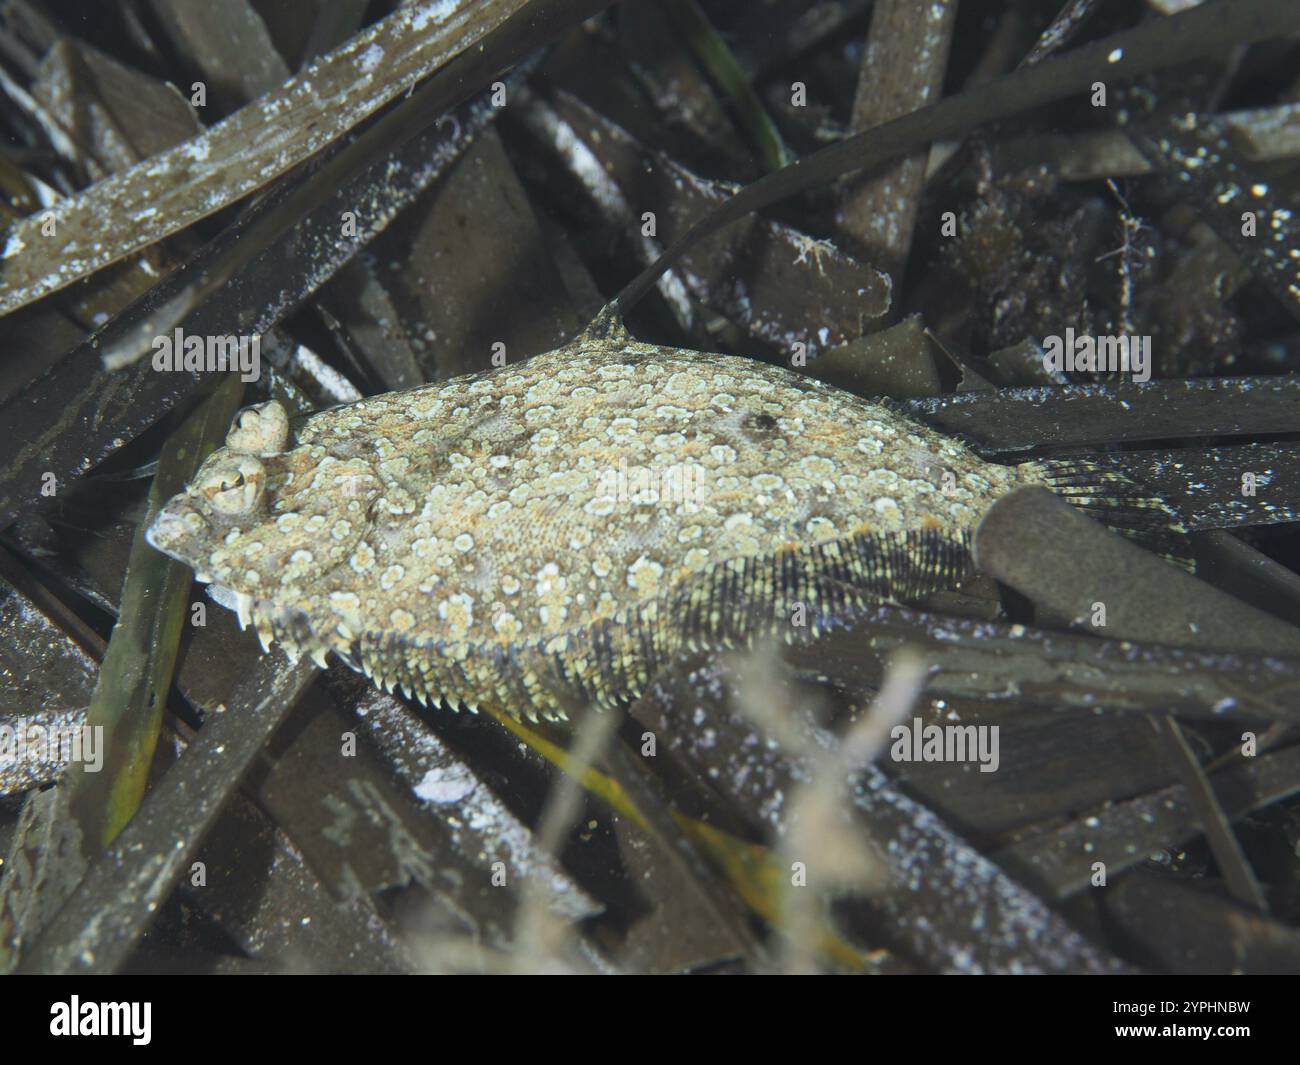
(369, 59)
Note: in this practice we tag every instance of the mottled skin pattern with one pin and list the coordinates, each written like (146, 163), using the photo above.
(546, 534)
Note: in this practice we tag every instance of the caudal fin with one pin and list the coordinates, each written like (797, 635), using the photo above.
(1117, 502)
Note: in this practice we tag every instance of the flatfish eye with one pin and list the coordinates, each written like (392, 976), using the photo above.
(233, 486)
(262, 429)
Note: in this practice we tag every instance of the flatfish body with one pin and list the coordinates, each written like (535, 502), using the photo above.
(547, 534)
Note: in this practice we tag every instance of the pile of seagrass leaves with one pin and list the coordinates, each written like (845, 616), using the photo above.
(236, 168)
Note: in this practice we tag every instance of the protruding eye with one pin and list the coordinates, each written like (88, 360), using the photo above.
(233, 485)
(259, 430)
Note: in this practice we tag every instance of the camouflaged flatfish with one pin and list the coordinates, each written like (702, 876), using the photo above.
(547, 534)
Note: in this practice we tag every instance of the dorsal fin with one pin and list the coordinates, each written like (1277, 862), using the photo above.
(605, 327)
